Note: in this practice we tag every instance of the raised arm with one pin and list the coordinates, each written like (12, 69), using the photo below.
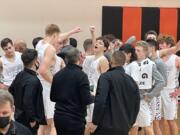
(66, 35)
(170, 51)
(93, 34)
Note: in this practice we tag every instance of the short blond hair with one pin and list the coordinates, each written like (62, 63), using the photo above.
(51, 29)
(143, 44)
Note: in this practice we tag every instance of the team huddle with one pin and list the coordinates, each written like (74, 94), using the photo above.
(53, 95)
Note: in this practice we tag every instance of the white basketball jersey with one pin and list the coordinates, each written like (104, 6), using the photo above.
(11, 69)
(41, 48)
(90, 66)
(145, 74)
(132, 69)
(172, 72)
(86, 64)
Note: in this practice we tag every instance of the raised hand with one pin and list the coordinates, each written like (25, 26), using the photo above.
(76, 30)
(92, 29)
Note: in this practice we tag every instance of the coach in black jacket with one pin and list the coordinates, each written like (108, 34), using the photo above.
(27, 92)
(117, 100)
(71, 92)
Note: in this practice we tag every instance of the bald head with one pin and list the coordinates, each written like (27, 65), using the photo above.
(20, 46)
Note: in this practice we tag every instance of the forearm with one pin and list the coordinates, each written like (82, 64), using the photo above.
(53, 92)
(159, 84)
(156, 90)
(168, 51)
(93, 36)
(98, 112)
(100, 99)
(28, 105)
(66, 35)
(47, 76)
(30, 113)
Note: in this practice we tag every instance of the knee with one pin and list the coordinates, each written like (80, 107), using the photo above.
(155, 123)
(171, 122)
(148, 129)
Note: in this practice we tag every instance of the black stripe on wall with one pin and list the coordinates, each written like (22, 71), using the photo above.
(112, 21)
(178, 27)
(150, 20)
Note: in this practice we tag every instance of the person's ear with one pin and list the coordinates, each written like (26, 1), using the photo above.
(105, 49)
(54, 35)
(13, 108)
(129, 54)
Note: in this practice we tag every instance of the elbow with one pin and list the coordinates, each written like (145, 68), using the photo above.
(161, 84)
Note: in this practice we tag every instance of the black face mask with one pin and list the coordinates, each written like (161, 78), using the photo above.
(4, 121)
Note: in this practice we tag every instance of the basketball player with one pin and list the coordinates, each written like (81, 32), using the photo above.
(49, 65)
(10, 64)
(93, 66)
(150, 83)
(156, 104)
(169, 104)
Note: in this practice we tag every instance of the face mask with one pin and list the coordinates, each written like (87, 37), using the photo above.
(4, 121)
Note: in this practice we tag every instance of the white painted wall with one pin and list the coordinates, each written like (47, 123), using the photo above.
(26, 19)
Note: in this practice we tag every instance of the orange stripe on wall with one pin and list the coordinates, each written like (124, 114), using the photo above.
(131, 23)
(168, 21)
